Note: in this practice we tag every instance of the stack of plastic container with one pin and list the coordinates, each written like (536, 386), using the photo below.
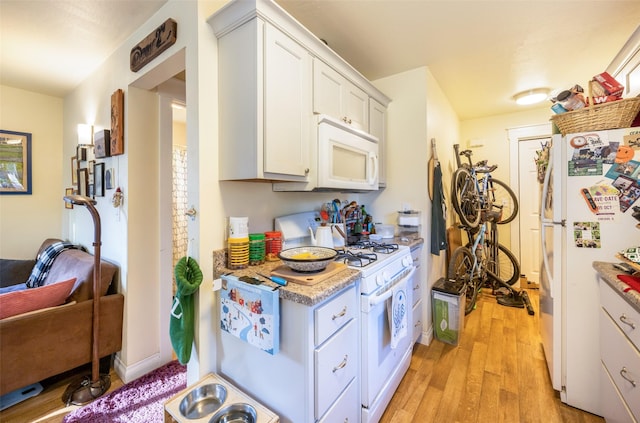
(238, 243)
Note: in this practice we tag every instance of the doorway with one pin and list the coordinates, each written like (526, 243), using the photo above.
(174, 236)
(524, 143)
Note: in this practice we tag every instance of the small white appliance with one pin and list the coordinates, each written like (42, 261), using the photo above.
(587, 199)
(384, 266)
(347, 160)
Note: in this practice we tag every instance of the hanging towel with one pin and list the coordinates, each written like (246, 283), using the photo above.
(181, 326)
(438, 212)
(397, 309)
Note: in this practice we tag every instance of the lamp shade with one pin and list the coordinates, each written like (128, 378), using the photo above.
(531, 96)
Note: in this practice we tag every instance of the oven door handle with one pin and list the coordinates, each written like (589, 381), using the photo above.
(377, 299)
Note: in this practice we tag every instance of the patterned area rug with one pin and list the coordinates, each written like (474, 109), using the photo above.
(139, 401)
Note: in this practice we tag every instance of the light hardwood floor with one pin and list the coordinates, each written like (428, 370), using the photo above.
(496, 374)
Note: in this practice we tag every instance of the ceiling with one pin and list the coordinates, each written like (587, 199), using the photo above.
(480, 52)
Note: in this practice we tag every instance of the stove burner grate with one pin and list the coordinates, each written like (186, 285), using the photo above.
(356, 259)
(377, 247)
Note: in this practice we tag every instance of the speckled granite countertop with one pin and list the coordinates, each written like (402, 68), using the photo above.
(309, 295)
(610, 274)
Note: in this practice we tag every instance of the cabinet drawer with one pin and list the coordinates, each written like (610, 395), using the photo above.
(622, 361)
(346, 409)
(614, 410)
(622, 313)
(331, 316)
(336, 365)
(417, 320)
(417, 289)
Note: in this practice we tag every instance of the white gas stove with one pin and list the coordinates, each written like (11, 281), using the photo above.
(386, 271)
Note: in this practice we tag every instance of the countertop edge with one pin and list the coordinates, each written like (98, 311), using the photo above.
(308, 295)
(609, 274)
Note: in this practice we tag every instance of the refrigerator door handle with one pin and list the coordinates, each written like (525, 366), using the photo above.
(545, 260)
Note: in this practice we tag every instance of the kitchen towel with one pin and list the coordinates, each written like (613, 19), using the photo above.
(251, 313)
(438, 213)
(632, 281)
(397, 313)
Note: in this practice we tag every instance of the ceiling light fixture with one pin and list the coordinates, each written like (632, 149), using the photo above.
(533, 96)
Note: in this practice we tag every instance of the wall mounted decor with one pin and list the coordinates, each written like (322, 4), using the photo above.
(117, 123)
(83, 182)
(155, 43)
(102, 143)
(109, 180)
(74, 170)
(15, 162)
(98, 179)
(68, 191)
(81, 152)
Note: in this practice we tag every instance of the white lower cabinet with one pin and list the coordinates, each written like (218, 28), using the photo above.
(620, 355)
(336, 365)
(315, 375)
(346, 409)
(614, 408)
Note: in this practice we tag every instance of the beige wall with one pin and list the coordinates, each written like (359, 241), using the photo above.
(26, 220)
(418, 112)
(487, 137)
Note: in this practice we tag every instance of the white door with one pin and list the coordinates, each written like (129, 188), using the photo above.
(525, 233)
(529, 210)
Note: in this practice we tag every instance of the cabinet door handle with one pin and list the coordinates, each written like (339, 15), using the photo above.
(624, 319)
(623, 373)
(341, 314)
(344, 363)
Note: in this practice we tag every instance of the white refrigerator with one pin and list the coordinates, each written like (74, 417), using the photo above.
(589, 191)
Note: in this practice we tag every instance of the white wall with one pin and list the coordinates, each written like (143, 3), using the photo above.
(27, 220)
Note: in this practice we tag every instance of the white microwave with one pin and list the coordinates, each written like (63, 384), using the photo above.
(346, 160)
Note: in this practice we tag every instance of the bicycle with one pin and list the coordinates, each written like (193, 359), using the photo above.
(483, 261)
(475, 191)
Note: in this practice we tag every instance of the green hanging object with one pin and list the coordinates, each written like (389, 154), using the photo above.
(181, 327)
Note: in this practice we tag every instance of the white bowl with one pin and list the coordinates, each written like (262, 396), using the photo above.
(307, 259)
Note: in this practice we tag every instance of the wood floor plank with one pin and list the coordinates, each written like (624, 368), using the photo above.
(517, 390)
(445, 383)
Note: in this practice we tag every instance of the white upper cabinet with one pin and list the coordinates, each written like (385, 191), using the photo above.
(336, 96)
(265, 104)
(286, 105)
(273, 74)
(378, 128)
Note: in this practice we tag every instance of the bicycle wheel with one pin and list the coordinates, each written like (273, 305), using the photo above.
(504, 198)
(502, 265)
(461, 269)
(465, 198)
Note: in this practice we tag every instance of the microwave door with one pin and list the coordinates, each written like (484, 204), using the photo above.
(346, 160)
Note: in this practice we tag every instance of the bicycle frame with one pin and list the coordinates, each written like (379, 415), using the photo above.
(479, 240)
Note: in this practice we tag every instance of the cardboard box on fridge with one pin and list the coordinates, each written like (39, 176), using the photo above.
(609, 84)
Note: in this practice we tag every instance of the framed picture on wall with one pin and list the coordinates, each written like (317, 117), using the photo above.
(83, 182)
(81, 152)
(74, 170)
(69, 191)
(98, 179)
(15, 162)
(102, 143)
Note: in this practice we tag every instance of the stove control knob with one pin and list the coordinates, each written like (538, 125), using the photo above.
(407, 261)
(383, 278)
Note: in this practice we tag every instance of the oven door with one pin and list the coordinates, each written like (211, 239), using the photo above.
(379, 360)
(347, 157)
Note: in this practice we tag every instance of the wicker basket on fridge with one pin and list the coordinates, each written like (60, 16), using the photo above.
(612, 115)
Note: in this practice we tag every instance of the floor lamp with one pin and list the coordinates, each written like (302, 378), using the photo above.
(87, 389)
